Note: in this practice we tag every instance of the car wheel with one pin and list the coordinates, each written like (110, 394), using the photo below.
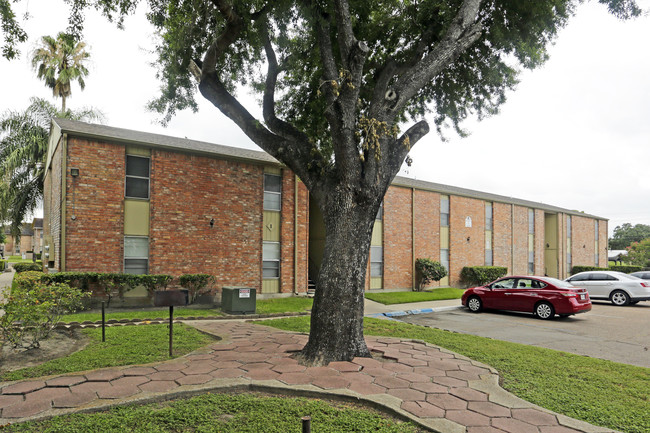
(619, 298)
(474, 304)
(544, 310)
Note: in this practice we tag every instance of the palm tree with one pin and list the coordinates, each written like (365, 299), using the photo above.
(24, 138)
(59, 62)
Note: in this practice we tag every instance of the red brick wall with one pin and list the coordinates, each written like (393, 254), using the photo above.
(464, 252)
(520, 233)
(603, 260)
(540, 242)
(187, 191)
(427, 226)
(398, 247)
(583, 241)
(288, 234)
(94, 240)
(502, 235)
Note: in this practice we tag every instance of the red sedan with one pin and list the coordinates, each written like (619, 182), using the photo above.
(543, 296)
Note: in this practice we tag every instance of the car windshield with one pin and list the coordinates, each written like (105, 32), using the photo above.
(558, 283)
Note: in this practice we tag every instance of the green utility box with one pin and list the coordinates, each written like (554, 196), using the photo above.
(238, 300)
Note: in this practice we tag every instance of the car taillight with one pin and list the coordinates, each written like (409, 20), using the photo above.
(644, 284)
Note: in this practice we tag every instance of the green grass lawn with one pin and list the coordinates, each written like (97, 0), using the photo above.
(600, 392)
(224, 413)
(266, 306)
(125, 345)
(19, 259)
(388, 298)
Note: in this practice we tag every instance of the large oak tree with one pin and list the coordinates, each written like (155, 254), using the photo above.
(346, 87)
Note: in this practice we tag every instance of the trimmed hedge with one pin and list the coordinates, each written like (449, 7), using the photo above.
(196, 284)
(23, 267)
(481, 275)
(619, 268)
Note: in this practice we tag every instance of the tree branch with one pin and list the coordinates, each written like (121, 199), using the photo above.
(462, 33)
(233, 27)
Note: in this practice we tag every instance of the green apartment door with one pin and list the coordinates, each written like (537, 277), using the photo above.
(551, 264)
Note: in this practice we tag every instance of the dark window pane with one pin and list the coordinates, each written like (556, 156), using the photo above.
(137, 166)
(136, 266)
(444, 219)
(136, 187)
(272, 183)
(272, 201)
(376, 269)
(270, 269)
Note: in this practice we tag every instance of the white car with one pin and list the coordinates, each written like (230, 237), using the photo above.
(621, 289)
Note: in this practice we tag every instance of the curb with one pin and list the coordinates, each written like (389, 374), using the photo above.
(392, 314)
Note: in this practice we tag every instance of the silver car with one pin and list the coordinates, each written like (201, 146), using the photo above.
(621, 289)
(644, 275)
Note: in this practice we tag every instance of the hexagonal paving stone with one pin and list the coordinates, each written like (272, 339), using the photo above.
(166, 375)
(103, 375)
(391, 382)
(25, 409)
(115, 392)
(446, 401)
(328, 382)
(227, 373)
(412, 362)
(65, 381)
(227, 364)
(74, 399)
(130, 381)
(200, 367)
(483, 429)
(23, 387)
(172, 366)
(289, 368)
(463, 375)
(429, 387)
(321, 371)
(47, 394)
(376, 372)
(557, 429)
(261, 374)
(158, 386)
(449, 381)
(511, 425)
(407, 394)
(423, 409)
(195, 379)
(488, 408)
(397, 367)
(256, 366)
(297, 378)
(467, 418)
(344, 366)
(138, 371)
(414, 377)
(534, 416)
(367, 362)
(366, 388)
(8, 400)
(468, 394)
(429, 371)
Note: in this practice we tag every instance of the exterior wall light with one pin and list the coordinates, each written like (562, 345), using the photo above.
(211, 222)
(74, 172)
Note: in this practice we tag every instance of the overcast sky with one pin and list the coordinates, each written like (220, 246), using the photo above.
(575, 133)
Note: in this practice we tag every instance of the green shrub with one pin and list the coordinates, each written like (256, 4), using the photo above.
(196, 284)
(481, 275)
(23, 267)
(3, 265)
(25, 280)
(427, 271)
(153, 282)
(628, 269)
(578, 268)
(33, 309)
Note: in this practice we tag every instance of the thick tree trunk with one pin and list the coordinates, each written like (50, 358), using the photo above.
(337, 314)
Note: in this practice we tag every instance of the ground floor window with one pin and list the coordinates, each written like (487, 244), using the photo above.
(270, 260)
(136, 255)
(376, 261)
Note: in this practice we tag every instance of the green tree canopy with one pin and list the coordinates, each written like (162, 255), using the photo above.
(639, 253)
(24, 137)
(60, 61)
(626, 234)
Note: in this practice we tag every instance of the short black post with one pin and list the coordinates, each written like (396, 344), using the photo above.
(103, 323)
(306, 424)
(171, 328)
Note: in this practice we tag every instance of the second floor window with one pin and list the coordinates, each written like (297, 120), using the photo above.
(272, 192)
(137, 177)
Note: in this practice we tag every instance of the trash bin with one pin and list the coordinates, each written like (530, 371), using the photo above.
(238, 300)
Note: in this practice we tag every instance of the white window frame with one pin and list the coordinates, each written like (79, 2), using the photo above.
(136, 257)
(274, 193)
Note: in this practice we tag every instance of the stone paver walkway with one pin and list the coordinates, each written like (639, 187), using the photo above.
(433, 387)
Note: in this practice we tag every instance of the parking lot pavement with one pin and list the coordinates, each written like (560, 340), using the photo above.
(619, 334)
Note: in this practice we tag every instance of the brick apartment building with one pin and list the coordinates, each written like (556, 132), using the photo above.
(30, 241)
(118, 200)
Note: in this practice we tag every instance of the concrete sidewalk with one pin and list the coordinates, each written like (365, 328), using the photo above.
(433, 387)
